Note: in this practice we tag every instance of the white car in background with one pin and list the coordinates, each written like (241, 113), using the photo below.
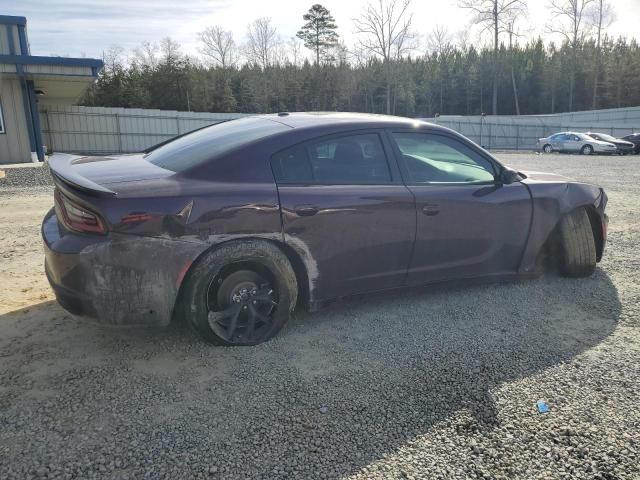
(574, 142)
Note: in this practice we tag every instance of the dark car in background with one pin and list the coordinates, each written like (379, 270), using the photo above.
(635, 139)
(232, 226)
(623, 147)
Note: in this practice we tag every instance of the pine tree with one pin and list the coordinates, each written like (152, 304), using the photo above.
(319, 33)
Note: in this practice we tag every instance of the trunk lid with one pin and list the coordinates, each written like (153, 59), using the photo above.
(101, 175)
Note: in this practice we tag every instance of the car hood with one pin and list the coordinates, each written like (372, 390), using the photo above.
(544, 176)
(623, 143)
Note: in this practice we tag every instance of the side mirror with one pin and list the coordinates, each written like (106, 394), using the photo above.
(508, 176)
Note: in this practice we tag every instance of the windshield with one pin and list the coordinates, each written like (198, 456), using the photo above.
(202, 145)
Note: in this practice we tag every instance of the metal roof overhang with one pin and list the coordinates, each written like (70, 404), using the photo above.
(61, 80)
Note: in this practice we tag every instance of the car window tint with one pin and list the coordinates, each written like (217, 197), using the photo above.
(439, 159)
(352, 159)
(292, 166)
(203, 145)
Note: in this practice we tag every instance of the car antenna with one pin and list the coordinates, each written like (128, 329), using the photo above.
(283, 114)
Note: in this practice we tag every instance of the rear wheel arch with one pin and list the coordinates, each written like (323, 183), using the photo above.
(292, 256)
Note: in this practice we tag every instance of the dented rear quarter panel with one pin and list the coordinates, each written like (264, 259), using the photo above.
(157, 228)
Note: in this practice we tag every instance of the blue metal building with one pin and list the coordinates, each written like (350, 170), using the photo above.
(27, 80)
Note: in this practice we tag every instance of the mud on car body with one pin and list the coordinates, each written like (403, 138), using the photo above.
(231, 227)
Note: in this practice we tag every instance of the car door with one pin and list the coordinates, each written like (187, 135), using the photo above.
(557, 142)
(346, 211)
(572, 143)
(468, 224)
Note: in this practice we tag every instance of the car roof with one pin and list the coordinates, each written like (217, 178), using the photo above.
(346, 119)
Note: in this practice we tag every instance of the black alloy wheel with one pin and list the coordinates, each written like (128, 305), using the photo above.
(241, 308)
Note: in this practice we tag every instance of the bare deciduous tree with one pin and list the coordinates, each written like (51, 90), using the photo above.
(263, 42)
(113, 59)
(439, 40)
(602, 16)
(146, 54)
(294, 54)
(439, 43)
(219, 46)
(170, 50)
(385, 30)
(511, 30)
(495, 16)
(572, 22)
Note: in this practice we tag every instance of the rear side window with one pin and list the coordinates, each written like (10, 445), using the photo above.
(203, 145)
(348, 160)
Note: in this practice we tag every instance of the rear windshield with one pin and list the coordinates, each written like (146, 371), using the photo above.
(202, 145)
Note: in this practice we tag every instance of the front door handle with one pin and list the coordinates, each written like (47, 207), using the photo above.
(306, 210)
(430, 209)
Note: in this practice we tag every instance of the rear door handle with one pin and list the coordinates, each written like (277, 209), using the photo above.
(430, 209)
(306, 210)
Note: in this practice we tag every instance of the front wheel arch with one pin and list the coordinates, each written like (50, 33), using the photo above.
(596, 228)
(551, 255)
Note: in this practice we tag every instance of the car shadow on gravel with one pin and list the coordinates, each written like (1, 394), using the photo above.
(336, 392)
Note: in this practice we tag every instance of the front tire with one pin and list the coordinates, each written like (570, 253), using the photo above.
(241, 293)
(578, 247)
(587, 150)
(547, 148)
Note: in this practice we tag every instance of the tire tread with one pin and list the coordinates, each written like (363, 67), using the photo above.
(578, 244)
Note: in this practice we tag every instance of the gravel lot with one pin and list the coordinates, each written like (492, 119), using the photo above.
(423, 384)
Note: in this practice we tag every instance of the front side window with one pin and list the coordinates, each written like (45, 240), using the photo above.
(433, 158)
(348, 160)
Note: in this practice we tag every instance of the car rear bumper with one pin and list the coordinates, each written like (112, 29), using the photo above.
(117, 279)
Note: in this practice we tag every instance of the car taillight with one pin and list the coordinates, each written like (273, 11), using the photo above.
(78, 218)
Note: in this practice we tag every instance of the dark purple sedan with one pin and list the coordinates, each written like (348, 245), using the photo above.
(230, 227)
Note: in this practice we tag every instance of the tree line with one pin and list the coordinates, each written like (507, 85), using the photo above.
(388, 69)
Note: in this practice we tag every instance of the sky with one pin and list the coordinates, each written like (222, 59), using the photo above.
(90, 27)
